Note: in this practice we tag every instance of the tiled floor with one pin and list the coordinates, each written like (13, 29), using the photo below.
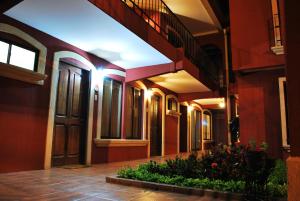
(80, 184)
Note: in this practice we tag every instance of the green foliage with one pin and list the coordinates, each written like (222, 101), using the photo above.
(234, 168)
(279, 173)
(277, 190)
(142, 174)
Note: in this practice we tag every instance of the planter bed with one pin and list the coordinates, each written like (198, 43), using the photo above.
(174, 188)
(179, 189)
(227, 172)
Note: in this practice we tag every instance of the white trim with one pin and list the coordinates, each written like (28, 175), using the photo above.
(52, 105)
(281, 80)
(162, 94)
(109, 71)
(211, 131)
(143, 87)
(278, 50)
(187, 126)
(198, 108)
(26, 37)
(178, 118)
(120, 143)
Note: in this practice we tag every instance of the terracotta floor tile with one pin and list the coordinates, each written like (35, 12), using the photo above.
(86, 184)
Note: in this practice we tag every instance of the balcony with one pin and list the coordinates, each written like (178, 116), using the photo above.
(158, 15)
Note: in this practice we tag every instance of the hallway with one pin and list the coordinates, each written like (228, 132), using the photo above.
(80, 184)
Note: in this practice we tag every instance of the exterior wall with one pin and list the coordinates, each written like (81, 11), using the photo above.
(24, 108)
(171, 134)
(219, 127)
(249, 22)
(293, 83)
(23, 122)
(122, 153)
(257, 70)
(116, 154)
(216, 39)
(259, 109)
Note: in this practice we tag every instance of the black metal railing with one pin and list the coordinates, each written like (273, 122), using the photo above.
(158, 15)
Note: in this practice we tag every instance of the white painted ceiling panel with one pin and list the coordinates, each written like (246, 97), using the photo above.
(80, 23)
(179, 82)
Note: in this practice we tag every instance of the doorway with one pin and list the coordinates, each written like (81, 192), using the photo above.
(183, 128)
(70, 116)
(155, 127)
(195, 130)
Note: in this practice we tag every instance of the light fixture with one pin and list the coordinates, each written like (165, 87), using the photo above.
(149, 93)
(222, 104)
(190, 108)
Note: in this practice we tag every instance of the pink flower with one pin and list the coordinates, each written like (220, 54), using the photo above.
(214, 165)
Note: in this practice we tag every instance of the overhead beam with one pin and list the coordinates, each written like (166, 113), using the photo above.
(149, 71)
(5, 5)
(197, 95)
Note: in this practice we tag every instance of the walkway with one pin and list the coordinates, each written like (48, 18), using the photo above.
(80, 184)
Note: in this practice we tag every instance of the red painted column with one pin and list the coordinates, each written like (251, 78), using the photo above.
(293, 83)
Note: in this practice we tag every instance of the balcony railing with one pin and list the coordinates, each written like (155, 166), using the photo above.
(157, 14)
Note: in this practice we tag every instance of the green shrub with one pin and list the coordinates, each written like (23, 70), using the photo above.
(279, 173)
(225, 168)
(277, 190)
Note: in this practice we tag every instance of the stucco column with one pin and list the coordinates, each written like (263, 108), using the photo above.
(293, 82)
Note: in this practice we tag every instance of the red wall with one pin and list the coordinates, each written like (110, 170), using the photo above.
(171, 129)
(116, 154)
(23, 120)
(259, 109)
(250, 34)
(24, 109)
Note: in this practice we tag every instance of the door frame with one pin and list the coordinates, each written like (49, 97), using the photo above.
(52, 104)
(200, 109)
(163, 111)
(178, 118)
(187, 125)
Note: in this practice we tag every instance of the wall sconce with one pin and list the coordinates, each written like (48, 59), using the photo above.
(190, 108)
(222, 104)
(149, 94)
(96, 92)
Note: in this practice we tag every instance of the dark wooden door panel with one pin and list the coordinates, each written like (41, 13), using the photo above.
(59, 141)
(196, 129)
(155, 134)
(74, 141)
(70, 117)
(76, 96)
(62, 93)
(183, 129)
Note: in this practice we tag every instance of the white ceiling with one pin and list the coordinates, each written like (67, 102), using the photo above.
(194, 15)
(179, 82)
(83, 25)
(210, 101)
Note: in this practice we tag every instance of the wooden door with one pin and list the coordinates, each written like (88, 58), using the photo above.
(195, 130)
(155, 133)
(70, 116)
(183, 129)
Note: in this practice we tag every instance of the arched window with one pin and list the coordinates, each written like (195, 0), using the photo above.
(18, 55)
(22, 57)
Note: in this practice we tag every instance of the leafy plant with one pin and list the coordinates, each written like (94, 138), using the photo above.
(279, 173)
(235, 168)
